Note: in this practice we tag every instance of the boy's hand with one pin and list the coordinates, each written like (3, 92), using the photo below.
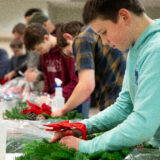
(67, 137)
(31, 75)
(71, 142)
(58, 113)
(10, 75)
(58, 135)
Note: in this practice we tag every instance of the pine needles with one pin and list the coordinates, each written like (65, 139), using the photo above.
(55, 151)
(16, 113)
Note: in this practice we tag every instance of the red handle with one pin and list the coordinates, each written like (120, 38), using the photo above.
(64, 125)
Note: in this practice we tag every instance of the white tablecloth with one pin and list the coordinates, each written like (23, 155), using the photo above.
(11, 156)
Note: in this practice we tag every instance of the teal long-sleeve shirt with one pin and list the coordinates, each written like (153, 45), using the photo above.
(135, 116)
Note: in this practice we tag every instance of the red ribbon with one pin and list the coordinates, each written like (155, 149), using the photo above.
(64, 125)
(38, 110)
(3, 81)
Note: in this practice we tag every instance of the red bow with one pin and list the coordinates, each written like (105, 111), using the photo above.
(64, 125)
(38, 110)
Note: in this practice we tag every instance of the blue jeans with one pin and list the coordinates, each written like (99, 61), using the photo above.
(84, 108)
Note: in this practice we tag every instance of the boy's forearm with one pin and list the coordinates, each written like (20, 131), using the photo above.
(79, 95)
(126, 134)
(82, 90)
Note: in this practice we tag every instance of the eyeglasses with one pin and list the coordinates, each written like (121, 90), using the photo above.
(16, 46)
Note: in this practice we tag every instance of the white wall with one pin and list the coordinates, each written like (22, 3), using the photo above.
(11, 13)
(65, 10)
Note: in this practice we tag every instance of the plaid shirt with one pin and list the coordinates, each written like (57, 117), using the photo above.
(109, 65)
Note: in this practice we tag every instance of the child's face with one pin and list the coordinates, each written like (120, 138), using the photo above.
(18, 51)
(27, 19)
(49, 26)
(19, 37)
(43, 47)
(68, 51)
(116, 35)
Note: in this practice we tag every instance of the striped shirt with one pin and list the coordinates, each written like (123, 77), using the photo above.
(109, 65)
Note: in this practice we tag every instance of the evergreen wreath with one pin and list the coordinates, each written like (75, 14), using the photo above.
(17, 113)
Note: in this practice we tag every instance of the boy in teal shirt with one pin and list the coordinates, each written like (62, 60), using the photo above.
(134, 117)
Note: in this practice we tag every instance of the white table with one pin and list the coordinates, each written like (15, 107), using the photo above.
(11, 156)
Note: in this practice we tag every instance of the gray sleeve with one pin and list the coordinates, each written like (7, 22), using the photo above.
(33, 59)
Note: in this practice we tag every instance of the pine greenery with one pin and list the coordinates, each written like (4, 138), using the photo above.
(16, 113)
(69, 116)
(55, 151)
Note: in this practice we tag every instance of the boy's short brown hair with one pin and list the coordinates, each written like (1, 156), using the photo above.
(30, 11)
(34, 34)
(73, 28)
(19, 28)
(108, 9)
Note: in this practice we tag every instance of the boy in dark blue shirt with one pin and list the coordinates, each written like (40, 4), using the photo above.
(4, 63)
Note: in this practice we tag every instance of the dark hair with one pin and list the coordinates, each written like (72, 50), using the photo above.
(108, 9)
(57, 25)
(19, 28)
(73, 28)
(38, 17)
(30, 11)
(33, 35)
(16, 43)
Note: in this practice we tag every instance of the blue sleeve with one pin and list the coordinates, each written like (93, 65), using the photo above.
(142, 122)
(11, 64)
(4, 63)
(106, 120)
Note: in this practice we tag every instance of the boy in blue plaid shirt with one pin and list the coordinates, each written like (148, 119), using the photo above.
(100, 68)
